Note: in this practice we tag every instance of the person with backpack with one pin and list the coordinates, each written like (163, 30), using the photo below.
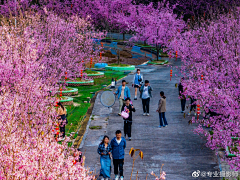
(137, 82)
(145, 94)
(105, 150)
(62, 119)
(118, 144)
(128, 109)
(161, 110)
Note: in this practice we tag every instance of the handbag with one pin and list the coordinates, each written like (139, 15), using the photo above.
(124, 114)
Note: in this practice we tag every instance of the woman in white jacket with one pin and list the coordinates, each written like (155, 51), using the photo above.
(137, 82)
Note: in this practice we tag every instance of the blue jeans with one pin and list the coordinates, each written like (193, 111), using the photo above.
(105, 166)
(162, 116)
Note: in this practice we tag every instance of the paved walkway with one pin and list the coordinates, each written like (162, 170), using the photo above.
(176, 146)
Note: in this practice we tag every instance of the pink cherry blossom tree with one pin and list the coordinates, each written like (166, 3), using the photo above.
(210, 57)
(155, 26)
(27, 145)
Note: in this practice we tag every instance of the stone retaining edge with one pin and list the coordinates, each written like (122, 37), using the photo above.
(66, 100)
(99, 74)
(68, 82)
(69, 91)
(95, 77)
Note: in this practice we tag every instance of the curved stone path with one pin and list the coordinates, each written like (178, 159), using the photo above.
(176, 146)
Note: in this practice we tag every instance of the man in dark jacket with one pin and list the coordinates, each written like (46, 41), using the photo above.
(128, 121)
(118, 144)
(182, 97)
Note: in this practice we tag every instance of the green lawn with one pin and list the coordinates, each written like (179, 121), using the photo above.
(159, 61)
(90, 72)
(77, 113)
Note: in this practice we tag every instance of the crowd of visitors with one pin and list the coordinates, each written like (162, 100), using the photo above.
(114, 150)
(118, 143)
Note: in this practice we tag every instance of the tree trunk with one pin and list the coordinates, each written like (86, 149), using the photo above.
(119, 58)
(145, 43)
(157, 47)
(124, 36)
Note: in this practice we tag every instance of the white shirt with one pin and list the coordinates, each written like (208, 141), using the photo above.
(118, 141)
(145, 94)
(122, 92)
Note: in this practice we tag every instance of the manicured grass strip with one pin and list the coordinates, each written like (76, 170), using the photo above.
(76, 113)
(95, 127)
(160, 62)
(90, 72)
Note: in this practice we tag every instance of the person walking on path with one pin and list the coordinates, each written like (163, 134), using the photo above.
(192, 106)
(161, 110)
(182, 97)
(145, 94)
(127, 107)
(105, 150)
(62, 120)
(118, 144)
(137, 82)
(123, 92)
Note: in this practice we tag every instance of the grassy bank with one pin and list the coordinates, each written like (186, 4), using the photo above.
(77, 113)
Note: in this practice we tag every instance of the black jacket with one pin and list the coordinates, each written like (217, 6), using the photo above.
(130, 111)
(180, 88)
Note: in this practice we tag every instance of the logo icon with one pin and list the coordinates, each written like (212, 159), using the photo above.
(203, 173)
(196, 174)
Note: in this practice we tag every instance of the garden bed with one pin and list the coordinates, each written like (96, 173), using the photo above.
(79, 82)
(92, 74)
(159, 62)
(121, 67)
(69, 92)
(95, 74)
(66, 100)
